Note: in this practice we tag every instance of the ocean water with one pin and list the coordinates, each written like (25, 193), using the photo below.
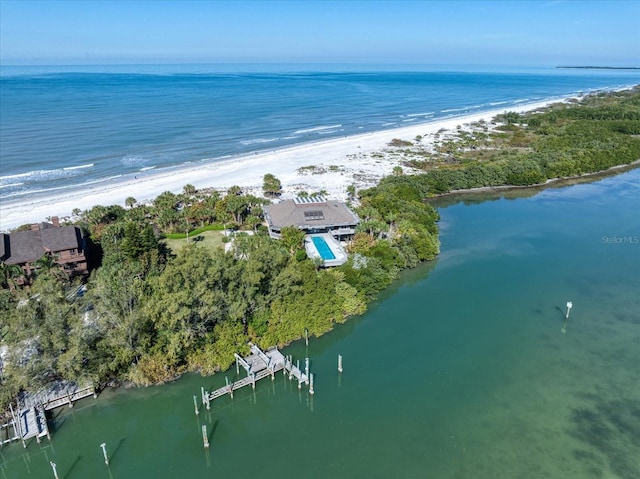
(66, 126)
(460, 370)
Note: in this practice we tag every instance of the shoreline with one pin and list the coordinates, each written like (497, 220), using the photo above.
(331, 165)
(561, 181)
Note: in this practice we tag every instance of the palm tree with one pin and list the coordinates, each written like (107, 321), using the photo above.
(9, 273)
(390, 218)
(189, 190)
(225, 218)
(234, 190)
(292, 238)
(397, 171)
(272, 187)
(253, 222)
(351, 191)
(47, 263)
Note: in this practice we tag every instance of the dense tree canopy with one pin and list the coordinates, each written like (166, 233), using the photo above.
(565, 140)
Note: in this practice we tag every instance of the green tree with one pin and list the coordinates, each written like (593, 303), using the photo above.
(271, 186)
(189, 190)
(167, 210)
(122, 333)
(47, 265)
(253, 222)
(237, 206)
(351, 192)
(131, 244)
(292, 238)
(234, 190)
(9, 274)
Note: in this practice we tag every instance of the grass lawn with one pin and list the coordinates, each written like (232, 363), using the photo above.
(209, 239)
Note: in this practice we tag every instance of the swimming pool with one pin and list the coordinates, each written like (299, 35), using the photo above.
(323, 248)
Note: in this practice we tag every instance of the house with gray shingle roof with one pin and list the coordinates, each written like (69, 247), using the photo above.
(312, 215)
(64, 243)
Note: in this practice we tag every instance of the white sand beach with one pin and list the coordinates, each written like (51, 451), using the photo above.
(338, 162)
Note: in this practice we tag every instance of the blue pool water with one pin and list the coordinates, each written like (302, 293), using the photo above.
(323, 248)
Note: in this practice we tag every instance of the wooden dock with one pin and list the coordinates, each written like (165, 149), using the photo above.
(259, 365)
(27, 423)
(30, 419)
(59, 394)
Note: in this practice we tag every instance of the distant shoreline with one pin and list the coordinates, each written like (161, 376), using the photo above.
(589, 67)
(551, 182)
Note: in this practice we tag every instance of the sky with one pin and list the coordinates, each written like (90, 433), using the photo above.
(522, 33)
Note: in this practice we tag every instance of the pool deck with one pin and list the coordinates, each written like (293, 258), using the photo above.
(332, 243)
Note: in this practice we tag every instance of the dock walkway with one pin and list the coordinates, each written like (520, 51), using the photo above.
(61, 393)
(259, 365)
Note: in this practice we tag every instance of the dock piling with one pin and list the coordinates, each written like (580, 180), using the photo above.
(205, 398)
(205, 438)
(566, 317)
(17, 426)
(230, 386)
(104, 453)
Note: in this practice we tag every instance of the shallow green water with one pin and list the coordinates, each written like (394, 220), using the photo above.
(459, 371)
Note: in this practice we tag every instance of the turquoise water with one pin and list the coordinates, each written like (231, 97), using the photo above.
(460, 370)
(64, 127)
(323, 248)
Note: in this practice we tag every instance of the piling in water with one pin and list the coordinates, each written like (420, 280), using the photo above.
(205, 438)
